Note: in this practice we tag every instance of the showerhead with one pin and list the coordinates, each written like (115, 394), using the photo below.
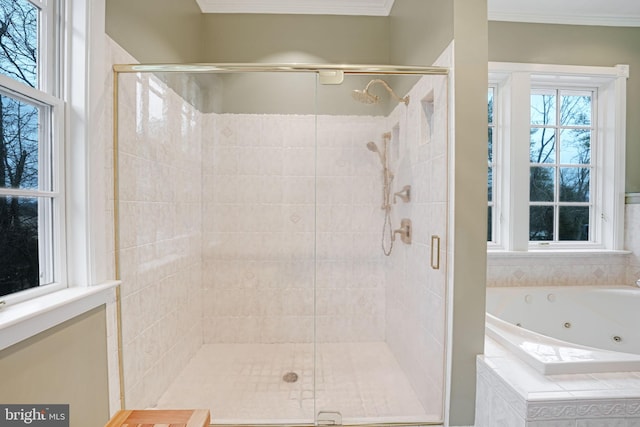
(367, 97)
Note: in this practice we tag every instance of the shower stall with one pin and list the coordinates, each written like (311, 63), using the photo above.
(281, 240)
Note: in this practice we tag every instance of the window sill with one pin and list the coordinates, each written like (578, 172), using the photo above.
(26, 319)
(555, 253)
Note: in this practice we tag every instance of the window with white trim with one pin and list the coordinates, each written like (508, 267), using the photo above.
(560, 174)
(556, 155)
(31, 149)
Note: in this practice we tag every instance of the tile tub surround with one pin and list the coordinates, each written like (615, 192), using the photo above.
(510, 393)
(632, 237)
(576, 268)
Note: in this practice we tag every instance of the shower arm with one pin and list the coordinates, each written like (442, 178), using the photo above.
(388, 88)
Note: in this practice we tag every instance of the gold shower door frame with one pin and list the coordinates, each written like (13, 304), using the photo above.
(331, 72)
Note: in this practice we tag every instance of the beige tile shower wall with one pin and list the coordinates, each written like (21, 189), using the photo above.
(350, 272)
(416, 292)
(160, 227)
(259, 221)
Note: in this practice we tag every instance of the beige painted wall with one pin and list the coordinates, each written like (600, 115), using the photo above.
(469, 204)
(273, 38)
(578, 45)
(419, 32)
(176, 31)
(295, 38)
(156, 30)
(65, 364)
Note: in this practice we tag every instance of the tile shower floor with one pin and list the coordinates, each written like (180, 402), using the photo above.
(243, 383)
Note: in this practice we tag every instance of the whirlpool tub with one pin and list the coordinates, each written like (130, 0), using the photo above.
(568, 330)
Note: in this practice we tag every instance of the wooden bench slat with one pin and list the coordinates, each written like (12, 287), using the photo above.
(161, 418)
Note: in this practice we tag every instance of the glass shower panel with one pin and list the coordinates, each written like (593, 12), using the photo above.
(381, 204)
(217, 243)
(259, 240)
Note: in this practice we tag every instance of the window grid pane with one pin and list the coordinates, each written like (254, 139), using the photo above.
(541, 223)
(26, 243)
(20, 51)
(542, 186)
(19, 143)
(573, 223)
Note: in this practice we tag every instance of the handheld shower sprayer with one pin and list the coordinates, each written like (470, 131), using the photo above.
(367, 97)
(387, 179)
(371, 146)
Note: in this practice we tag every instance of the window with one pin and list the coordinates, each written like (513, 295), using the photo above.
(556, 153)
(490, 165)
(52, 156)
(560, 203)
(31, 202)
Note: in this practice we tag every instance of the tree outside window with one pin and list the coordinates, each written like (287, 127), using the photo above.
(20, 129)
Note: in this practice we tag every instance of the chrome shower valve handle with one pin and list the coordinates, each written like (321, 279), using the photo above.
(404, 231)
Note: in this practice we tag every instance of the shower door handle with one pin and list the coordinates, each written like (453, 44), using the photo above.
(435, 252)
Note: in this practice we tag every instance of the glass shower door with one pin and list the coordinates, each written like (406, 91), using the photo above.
(381, 213)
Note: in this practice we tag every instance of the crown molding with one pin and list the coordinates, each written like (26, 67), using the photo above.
(307, 7)
(573, 19)
(383, 8)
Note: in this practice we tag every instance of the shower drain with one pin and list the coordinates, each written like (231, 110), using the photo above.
(290, 377)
